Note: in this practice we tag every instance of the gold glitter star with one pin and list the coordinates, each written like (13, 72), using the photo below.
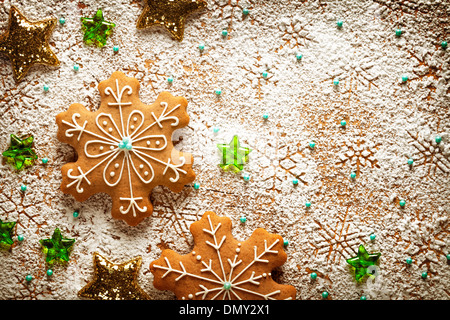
(114, 281)
(26, 43)
(171, 14)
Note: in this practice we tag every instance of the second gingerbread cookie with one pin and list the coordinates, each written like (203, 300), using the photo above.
(125, 148)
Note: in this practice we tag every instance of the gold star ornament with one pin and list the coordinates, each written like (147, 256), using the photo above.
(171, 14)
(26, 43)
(114, 281)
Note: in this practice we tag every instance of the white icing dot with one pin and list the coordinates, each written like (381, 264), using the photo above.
(238, 250)
(135, 119)
(199, 257)
(110, 129)
(105, 123)
(111, 147)
(101, 147)
(190, 296)
(193, 252)
(132, 127)
(183, 298)
(264, 275)
(158, 143)
(116, 165)
(148, 142)
(146, 173)
(270, 274)
(112, 173)
(141, 166)
(239, 244)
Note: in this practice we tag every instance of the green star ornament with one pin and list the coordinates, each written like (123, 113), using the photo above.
(57, 248)
(233, 155)
(96, 29)
(20, 153)
(362, 261)
(6, 231)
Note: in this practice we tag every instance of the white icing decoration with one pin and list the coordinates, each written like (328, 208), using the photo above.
(217, 280)
(129, 159)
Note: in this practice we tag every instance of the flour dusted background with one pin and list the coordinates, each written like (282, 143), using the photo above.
(388, 122)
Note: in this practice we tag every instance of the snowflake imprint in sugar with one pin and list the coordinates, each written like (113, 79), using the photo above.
(125, 148)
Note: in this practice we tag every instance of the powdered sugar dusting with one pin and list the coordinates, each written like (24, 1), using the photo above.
(388, 122)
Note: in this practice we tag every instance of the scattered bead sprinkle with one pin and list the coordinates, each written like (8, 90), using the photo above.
(409, 261)
(424, 275)
(20, 237)
(28, 278)
(336, 82)
(265, 116)
(224, 33)
(62, 20)
(404, 78)
(398, 32)
(76, 214)
(295, 182)
(116, 49)
(216, 129)
(343, 123)
(44, 160)
(314, 276)
(444, 44)
(438, 139)
(325, 294)
(340, 23)
(76, 67)
(170, 79)
(218, 92)
(448, 256)
(353, 175)
(246, 176)
(245, 11)
(363, 298)
(285, 243)
(201, 47)
(299, 56)
(46, 87)
(410, 161)
(312, 144)
(307, 204)
(23, 188)
(49, 272)
(265, 74)
(196, 186)
(372, 237)
(243, 219)
(402, 203)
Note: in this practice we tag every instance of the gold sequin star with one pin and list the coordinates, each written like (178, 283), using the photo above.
(171, 14)
(114, 281)
(26, 43)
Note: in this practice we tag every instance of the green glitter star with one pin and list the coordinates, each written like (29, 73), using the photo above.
(362, 261)
(233, 155)
(57, 247)
(96, 29)
(20, 153)
(6, 230)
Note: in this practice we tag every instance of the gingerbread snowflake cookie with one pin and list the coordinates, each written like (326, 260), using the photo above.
(125, 148)
(220, 267)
